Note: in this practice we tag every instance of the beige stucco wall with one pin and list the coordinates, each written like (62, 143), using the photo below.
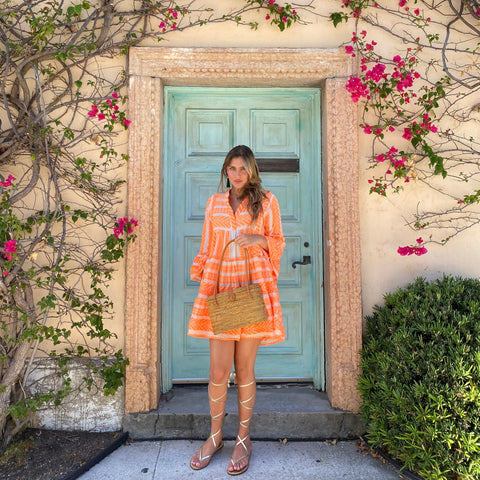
(382, 220)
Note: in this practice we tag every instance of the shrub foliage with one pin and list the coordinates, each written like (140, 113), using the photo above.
(421, 377)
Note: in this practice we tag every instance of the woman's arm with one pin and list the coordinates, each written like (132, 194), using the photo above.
(196, 270)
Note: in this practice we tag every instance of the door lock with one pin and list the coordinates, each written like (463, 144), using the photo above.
(306, 261)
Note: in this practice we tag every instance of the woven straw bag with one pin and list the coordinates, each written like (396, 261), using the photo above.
(238, 307)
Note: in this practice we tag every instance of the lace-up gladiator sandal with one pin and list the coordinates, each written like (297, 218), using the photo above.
(218, 417)
(246, 425)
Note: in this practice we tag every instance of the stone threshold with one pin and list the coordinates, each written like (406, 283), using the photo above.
(287, 411)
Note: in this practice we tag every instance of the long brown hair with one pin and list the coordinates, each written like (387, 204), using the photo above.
(253, 190)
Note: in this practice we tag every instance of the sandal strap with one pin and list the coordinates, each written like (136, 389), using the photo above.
(241, 441)
(221, 400)
(245, 423)
(212, 436)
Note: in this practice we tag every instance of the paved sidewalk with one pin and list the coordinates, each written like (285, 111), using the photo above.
(169, 460)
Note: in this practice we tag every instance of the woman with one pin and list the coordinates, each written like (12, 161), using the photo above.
(251, 216)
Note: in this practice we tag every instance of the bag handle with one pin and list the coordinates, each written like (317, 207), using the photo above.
(247, 264)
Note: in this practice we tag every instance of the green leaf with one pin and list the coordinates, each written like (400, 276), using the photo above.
(338, 17)
(78, 83)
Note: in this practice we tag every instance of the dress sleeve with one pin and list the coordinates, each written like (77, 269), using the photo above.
(196, 270)
(274, 234)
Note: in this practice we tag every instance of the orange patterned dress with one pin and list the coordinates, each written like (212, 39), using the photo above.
(220, 226)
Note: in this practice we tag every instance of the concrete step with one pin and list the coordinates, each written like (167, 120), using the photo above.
(294, 412)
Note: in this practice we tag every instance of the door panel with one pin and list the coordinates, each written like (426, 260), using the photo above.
(282, 126)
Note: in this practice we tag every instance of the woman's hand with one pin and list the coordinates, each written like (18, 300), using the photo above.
(246, 240)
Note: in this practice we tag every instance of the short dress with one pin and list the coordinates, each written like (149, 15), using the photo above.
(220, 226)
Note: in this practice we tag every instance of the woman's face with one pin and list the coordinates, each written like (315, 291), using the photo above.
(237, 173)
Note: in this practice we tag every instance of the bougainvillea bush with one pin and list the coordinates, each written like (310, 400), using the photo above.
(417, 90)
(420, 381)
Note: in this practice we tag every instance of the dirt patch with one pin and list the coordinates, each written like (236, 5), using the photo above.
(51, 455)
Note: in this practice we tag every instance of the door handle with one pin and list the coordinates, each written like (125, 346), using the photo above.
(306, 261)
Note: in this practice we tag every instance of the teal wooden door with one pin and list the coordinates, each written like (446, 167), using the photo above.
(282, 126)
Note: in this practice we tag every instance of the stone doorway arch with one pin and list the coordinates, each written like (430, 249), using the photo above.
(150, 69)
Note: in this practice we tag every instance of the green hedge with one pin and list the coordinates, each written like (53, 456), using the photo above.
(420, 381)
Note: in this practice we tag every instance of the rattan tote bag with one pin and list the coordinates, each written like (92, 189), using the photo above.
(238, 307)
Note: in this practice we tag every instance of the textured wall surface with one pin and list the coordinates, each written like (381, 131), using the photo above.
(88, 410)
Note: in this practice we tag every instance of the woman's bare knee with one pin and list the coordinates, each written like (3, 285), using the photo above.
(218, 374)
(244, 373)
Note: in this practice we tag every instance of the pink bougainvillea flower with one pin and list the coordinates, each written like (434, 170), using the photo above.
(271, 2)
(391, 128)
(127, 122)
(124, 223)
(284, 19)
(412, 250)
(402, 3)
(93, 111)
(416, 11)
(5, 273)
(380, 158)
(101, 116)
(349, 49)
(407, 134)
(8, 181)
(267, 17)
(162, 25)
(115, 95)
(405, 251)
(397, 58)
(376, 73)
(9, 248)
(357, 89)
(419, 240)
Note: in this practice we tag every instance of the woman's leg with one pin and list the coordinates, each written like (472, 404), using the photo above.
(245, 356)
(221, 359)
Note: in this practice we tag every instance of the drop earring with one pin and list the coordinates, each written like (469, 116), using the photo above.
(228, 183)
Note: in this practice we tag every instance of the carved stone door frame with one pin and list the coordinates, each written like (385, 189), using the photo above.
(150, 69)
